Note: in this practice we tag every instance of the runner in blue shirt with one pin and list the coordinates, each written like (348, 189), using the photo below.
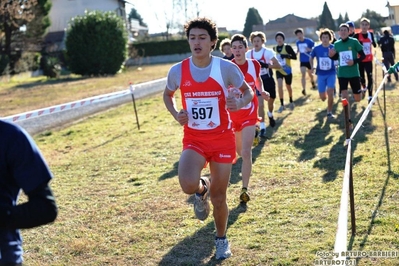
(304, 47)
(325, 70)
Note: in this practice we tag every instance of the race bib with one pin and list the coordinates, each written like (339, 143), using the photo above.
(281, 60)
(302, 47)
(344, 57)
(367, 48)
(203, 113)
(324, 63)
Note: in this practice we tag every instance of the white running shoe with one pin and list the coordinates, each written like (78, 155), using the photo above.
(222, 249)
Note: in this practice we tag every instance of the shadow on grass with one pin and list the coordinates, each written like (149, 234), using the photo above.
(390, 174)
(29, 85)
(172, 173)
(318, 137)
(197, 248)
(105, 142)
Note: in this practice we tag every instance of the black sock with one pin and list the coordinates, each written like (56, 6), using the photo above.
(205, 189)
(282, 102)
(291, 100)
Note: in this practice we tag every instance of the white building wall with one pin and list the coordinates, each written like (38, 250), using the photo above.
(62, 11)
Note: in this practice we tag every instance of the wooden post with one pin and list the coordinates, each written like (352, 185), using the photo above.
(351, 191)
(134, 105)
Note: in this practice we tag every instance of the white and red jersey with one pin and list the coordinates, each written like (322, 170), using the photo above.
(367, 46)
(264, 55)
(205, 101)
(251, 71)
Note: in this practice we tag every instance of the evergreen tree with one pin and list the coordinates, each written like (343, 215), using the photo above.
(346, 18)
(135, 15)
(340, 20)
(96, 44)
(325, 19)
(253, 18)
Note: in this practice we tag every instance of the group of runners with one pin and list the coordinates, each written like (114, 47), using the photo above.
(222, 101)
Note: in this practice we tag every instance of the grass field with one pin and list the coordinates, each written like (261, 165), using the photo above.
(120, 202)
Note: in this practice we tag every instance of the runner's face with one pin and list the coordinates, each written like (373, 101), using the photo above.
(365, 26)
(299, 35)
(227, 50)
(325, 39)
(257, 43)
(239, 50)
(200, 42)
(279, 40)
(343, 32)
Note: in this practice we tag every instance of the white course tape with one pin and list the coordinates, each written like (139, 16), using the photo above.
(65, 106)
(342, 228)
(367, 110)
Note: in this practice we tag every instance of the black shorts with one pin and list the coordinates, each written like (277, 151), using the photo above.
(306, 64)
(287, 78)
(269, 85)
(354, 82)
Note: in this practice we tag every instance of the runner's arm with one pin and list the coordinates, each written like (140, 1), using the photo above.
(360, 59)
(247, 94)
(40, 209)
(291, 52)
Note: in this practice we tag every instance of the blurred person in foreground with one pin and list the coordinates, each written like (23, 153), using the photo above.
(22, 167)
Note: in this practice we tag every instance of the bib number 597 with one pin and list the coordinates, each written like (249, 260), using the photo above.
(202, 113)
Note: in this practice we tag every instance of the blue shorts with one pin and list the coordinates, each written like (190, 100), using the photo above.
(326, 81)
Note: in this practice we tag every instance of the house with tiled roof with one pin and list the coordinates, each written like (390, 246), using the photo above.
(62, 11)
(287, 25)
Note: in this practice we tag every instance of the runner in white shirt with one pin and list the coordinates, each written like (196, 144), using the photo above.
(267, 58)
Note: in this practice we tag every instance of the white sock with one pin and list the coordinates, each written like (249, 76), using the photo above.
(270, 114)
(262, 125)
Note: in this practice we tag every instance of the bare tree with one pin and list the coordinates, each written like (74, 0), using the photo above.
(13, 15)
(178, 12)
